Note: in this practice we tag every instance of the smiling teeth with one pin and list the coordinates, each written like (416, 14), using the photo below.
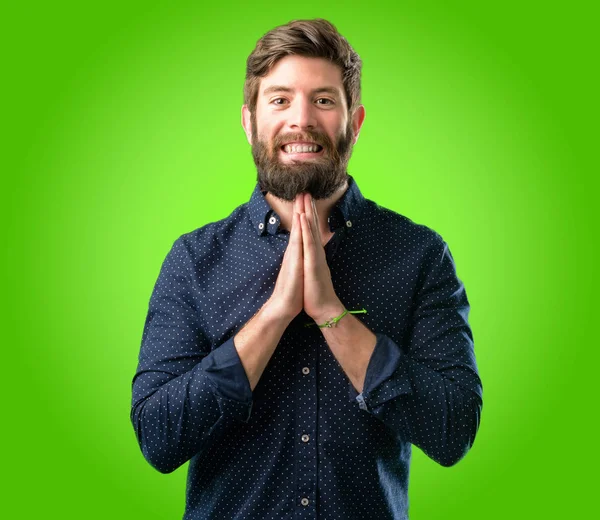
(288, 148)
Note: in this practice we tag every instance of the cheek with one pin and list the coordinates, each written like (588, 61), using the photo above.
(266, 132)
(336, 127)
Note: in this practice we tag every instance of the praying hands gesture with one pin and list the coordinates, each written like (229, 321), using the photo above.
(304, 281)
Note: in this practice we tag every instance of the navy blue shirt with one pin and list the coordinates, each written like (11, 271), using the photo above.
(304, 444)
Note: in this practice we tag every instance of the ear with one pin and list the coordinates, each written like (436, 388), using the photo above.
(357, 121)
(247, 123)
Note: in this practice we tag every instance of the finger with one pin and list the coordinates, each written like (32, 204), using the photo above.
(313, 218)
(292, 265)
(310, 217)
(298, 205)
(296, 235)
(308, 242)
(306, 205)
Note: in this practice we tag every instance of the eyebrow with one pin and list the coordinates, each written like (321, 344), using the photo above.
(281, 88)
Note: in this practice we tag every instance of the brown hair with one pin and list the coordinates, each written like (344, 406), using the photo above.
(316, 38)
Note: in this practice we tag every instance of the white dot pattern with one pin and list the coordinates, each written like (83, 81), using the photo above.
(304, 444)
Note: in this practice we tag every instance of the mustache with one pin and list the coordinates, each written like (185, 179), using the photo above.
(307, 137)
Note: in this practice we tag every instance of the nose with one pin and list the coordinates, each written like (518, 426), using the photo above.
(302, 115)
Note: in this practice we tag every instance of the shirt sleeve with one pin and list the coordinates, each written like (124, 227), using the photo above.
(184, 393)
(430, 393)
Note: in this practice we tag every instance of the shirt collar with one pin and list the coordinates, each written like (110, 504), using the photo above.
(266, 221)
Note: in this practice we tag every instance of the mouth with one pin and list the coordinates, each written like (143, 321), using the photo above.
(302, 150)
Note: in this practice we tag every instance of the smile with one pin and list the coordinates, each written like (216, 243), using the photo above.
(294, 148)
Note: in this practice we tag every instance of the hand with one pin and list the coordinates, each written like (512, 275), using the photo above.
(287, 297)
(320, 301)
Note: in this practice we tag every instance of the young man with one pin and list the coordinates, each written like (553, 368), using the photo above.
(295, 350)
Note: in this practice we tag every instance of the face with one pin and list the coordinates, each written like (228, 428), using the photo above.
(301, 133)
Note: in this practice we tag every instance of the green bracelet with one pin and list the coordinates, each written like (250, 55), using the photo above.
(333, 321)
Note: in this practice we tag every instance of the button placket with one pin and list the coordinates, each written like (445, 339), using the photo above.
(306, 451)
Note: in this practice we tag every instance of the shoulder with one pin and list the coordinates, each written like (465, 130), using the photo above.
(394, 226)
(213, 236)
(418, 244)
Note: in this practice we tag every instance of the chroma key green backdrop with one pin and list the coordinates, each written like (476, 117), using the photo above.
(121, 132)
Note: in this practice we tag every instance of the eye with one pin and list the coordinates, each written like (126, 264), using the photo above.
(276, 101)
(325, 101)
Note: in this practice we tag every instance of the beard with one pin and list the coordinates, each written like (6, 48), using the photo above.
(320, 177)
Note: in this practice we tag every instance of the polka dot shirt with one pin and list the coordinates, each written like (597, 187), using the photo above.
(304, 444)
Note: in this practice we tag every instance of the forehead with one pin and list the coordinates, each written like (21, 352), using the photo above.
(303, 74)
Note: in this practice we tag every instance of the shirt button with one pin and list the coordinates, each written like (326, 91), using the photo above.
(304, 501)
(261, 226)
(305, 370)
(305, 438)
(272, 220)
(348, 223)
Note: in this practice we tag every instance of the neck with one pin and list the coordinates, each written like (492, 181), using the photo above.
(284, 209)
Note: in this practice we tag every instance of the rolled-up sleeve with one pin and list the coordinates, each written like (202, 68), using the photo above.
(184, 392)
(430, 392)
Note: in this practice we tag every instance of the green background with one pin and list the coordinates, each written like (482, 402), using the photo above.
(121, 132)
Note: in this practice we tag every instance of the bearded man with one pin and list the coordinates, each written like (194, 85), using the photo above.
(294, 351)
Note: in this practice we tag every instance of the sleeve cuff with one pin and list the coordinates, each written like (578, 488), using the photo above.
(228, 381)
(387, 375)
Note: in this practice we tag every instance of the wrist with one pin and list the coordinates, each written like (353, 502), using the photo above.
(328, 313)
(276, 314)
